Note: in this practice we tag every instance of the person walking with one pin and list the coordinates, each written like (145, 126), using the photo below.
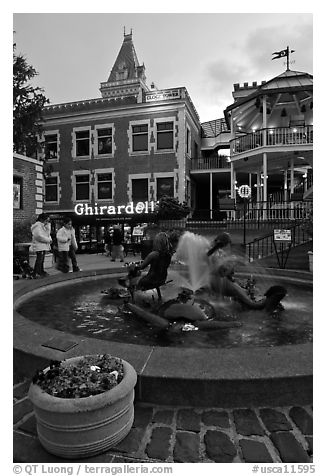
(117, 246)
(107, 243)
(41, 241)
(67, 246)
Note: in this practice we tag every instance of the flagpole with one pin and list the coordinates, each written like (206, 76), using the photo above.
(287, 57)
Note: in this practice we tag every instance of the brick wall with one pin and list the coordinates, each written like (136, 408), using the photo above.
(29, 172)
(122, 163)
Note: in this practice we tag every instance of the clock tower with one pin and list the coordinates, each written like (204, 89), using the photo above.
(127, 77)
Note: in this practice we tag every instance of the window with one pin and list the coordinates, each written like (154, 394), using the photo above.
(51, 189)
(18, 187)
(164, 135)
(196, 150)
(51, 146)
(140, 137)
(82, 187)
(104, 141)
(82, 143)
(140, 190)
(164, 186)
(104, 186)
(188, 142)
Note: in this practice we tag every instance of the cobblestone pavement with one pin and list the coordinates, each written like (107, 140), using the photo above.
(187, 435)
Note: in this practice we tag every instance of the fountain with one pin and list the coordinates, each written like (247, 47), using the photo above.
(251, 347)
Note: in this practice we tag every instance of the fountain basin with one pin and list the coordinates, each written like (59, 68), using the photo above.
(223, 377)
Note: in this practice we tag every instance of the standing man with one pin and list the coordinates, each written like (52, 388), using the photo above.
(67, 246)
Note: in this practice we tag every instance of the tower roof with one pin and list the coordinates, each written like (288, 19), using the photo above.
(126, 60)
(127, 77)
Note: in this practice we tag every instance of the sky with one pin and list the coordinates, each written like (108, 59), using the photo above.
(205, 52)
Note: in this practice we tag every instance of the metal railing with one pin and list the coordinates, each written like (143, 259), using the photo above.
(207, 163)
(275, 136)
(264, 246)
(296, 210)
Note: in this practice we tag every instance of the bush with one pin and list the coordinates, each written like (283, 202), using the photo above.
(169, 208)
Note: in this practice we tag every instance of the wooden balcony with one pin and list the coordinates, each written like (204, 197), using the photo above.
(272, 137)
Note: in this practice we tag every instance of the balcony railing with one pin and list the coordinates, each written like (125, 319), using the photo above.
(258, 213)
(275, 136)
(207, 163)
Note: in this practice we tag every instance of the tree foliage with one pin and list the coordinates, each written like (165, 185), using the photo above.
(28, 103)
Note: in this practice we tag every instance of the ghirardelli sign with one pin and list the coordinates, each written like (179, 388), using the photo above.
(129, 209)
(163, 95)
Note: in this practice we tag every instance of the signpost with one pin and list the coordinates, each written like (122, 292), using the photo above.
(283, 237)
(244, 192)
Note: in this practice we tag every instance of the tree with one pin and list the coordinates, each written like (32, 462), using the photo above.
(28, 103)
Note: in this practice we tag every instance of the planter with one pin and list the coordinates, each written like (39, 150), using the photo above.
(83, 427)
(48, 260)
(310, 256)
(170, 224)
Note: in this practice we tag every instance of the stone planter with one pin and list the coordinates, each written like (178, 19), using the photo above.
(48, 260)
(171, 224)
(310, 256)
(83, 427)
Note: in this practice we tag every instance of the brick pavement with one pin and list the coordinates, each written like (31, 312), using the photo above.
(193, 435)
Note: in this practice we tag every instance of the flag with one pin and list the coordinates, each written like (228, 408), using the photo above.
(280, 54)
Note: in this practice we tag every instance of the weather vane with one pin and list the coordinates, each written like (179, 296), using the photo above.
(282, 53)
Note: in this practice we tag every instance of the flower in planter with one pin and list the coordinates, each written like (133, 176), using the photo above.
(91, 375)
(169, 208)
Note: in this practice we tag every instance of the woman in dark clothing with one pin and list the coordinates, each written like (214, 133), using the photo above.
(159, 261)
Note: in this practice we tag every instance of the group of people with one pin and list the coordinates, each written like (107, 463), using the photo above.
(42, 240)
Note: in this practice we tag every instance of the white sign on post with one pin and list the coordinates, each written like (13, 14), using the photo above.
(282, 235)
(244, 191)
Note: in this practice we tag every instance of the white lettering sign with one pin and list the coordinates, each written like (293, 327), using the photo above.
(282, 235)
(163, 95)
(129, 209)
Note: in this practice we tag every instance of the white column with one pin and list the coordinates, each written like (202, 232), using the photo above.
(232, 180)
(265, 176)
(211, 195)
(285, 185)
(292, 185)
(264, 123)
(249, 180)
(258, 186)
(292, 176)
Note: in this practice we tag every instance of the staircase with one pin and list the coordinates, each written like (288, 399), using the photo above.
(266, 246)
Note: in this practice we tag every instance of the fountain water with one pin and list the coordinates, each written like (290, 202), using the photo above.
(191, 251)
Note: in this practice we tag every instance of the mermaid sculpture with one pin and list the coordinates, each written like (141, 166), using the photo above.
(201, 308)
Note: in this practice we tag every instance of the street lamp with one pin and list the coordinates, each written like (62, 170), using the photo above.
(244, 192)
